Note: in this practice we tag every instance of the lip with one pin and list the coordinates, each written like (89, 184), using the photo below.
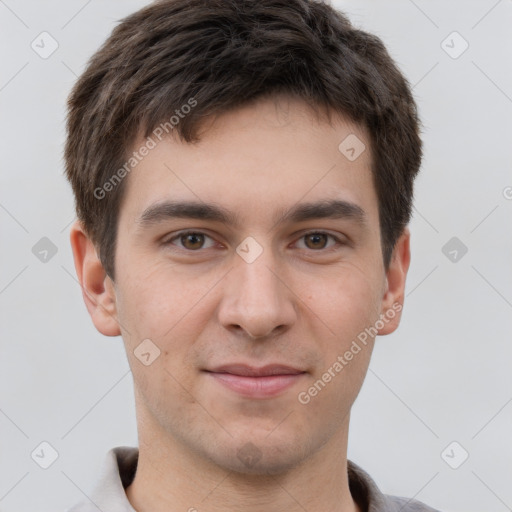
(256, 382)
(245, 370)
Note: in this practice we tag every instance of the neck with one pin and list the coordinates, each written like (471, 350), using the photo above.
(172, 478)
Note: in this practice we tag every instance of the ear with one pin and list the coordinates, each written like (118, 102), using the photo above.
(97, 288)
(394, 291)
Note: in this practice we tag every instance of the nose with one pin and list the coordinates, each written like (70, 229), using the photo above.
(258, 300)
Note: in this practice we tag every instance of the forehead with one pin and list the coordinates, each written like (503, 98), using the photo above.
(258, 160)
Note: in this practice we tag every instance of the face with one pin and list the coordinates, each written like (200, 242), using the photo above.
(257, 310)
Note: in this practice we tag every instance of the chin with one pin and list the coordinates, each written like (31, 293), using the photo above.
(260, 456)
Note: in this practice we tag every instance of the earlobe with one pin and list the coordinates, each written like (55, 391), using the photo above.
(393, 299)
(97, 287)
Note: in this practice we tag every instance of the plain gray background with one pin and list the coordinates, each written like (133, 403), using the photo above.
(443, 377)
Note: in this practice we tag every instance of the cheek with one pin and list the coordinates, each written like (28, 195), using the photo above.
(153, 300)
(163, 389)
(348, 302)
(346, 347)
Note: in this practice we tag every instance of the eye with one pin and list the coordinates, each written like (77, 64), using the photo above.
(194, 241)
(190, 240)
(317, 240)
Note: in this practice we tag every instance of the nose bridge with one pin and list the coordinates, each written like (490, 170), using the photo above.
(258, 280)
(255, 297)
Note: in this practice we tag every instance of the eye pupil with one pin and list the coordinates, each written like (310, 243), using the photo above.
(315, 237)
(192, 237)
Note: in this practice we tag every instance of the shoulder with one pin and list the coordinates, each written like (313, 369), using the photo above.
(409, 505)
(119, 468)
(366, 493)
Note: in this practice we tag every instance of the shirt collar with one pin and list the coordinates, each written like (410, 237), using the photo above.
(121, 464)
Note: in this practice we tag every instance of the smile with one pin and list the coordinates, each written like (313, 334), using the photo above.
(265, 382)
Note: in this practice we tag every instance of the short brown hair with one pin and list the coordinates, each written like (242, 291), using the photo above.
(223, 54)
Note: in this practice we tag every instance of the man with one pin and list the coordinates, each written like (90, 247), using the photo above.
(243, 173)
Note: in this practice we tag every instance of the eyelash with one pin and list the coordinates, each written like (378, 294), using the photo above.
(184, 233)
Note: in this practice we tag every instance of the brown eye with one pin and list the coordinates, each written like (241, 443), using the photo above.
(192, 241)
(316, 240)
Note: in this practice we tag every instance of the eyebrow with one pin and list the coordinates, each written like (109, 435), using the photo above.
(324, 209)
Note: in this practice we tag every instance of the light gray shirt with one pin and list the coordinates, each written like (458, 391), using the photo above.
(121, 465)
